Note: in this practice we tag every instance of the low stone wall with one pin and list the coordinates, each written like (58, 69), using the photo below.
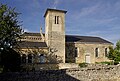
(96, 73)
(68, 65)
(90, 73)
(37, 67)
(46, 75)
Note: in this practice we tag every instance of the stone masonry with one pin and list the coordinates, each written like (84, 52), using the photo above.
(86, 49)
(64, 48)
(55, 31)
(91, 73)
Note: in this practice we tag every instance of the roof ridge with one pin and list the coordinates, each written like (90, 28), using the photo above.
(83, 36)
(31, 32)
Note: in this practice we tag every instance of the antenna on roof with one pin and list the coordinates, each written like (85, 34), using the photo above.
(40, 29)
(42, 34)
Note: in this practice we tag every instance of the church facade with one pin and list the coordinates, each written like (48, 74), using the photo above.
(54, 46)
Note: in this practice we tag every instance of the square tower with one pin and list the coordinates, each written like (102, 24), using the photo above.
(55, 31)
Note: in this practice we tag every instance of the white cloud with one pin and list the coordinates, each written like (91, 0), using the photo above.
(112, 37)
(115, 28)
(26, 30)
(109, 35)
(55, 4)
(89, 10)
(105, 20)
(93, 33)
(117, 6)
(36, 3)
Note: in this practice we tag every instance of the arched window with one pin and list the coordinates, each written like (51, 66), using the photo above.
(42, 58)
(96, 52)
(30, 58)
(106, 52)
(23, 58)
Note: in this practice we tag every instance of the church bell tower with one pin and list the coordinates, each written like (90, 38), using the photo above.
(55, 32)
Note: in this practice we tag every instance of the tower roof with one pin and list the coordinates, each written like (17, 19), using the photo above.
(49, 9)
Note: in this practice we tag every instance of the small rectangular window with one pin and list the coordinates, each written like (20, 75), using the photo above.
(106, 52)
(76, 52)
(57, 19)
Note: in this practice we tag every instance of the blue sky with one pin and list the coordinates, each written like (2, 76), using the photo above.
(99, 18)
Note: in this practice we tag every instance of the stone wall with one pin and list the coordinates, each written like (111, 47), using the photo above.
(32, 38)
(55, 32)
(91, 73)
(96, 73)
(68, 65)
(86, 49)
(47, 66)
(48, 75)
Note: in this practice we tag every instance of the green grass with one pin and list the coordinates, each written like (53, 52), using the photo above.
(108, 63)
(83, 65)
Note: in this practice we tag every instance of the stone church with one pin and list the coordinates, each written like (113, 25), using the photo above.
(54, 46)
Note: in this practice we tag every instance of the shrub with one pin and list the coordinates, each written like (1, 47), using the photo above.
(1, 69)
(10, 60)
(83, 64)
(108, 63)
(116, 62)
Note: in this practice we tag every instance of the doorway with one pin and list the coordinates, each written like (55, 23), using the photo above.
(87, 58)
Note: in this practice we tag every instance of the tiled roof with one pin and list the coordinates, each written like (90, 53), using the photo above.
(75, 38)
(85, 39)
(31, 34)
(25, 44)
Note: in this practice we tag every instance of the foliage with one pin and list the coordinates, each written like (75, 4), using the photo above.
(111, 53)
(108, 63)
(10, 60)
(10, 29)
(114, 53)
(52, 57)
(1, 69)
(83, 64)
(118, 46)
(70, 53)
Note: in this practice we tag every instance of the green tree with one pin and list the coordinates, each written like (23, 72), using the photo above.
(114, 53)
(111, 53)
(10, 28)
(10, 60)
(10, 31)
(118, 46)
(117, 51)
